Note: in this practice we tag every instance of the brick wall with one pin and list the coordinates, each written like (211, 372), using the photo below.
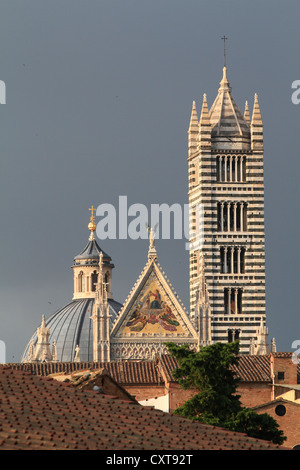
(289, 423)
(254, 394)
(178, 396)
(285, 365)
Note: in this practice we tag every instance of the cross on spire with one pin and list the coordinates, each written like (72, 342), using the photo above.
(92, 209)
(224, 38)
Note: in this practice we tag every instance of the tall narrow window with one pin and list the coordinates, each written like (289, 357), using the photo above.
(222, 258)
(239, 306)
(234, 169)
(223, 169)
(235, 261)
(94, 279)
(218, 168)
(242, 262)
(232, 214)
(244, 168)
(80, 282)
(245, 227)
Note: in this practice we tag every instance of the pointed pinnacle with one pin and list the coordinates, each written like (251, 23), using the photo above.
(224, 83)
(194, 119)
(256, 115)
(204, 118)
(246, 113)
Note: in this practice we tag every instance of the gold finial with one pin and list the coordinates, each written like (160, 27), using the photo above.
(92, 226)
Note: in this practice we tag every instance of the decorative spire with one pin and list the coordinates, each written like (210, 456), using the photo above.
(100, 317)
(92, 226)
(224, 83)
(246, 113)
(100, 283)
(256, 116)
(193, 131)
(194, 119)
(42, 351)
(273, 345)
(204, 118)
(204, 126)
(260, 345)
(256, 127)
(227, 121)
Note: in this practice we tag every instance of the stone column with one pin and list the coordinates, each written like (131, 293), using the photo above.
(228, 216)
(236, 300)
(229, 300)
(235, 169)
(234, 215)
(242, 216)
(241, 169)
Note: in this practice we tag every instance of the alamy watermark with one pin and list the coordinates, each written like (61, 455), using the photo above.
(296, 94)
(168, 221)
(2, 352)
(2, 92)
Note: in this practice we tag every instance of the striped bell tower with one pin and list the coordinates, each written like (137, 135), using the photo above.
(226, 200)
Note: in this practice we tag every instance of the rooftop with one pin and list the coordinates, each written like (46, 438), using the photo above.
(249, 369)
(42, 413)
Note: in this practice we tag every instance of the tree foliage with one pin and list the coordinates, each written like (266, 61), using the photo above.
(210, 371)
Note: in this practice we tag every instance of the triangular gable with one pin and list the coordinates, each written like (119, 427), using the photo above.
(153, 310)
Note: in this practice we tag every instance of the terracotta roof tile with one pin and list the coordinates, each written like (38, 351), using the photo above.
(125, 373)
(253, 369)
(249, 368)
(37, 413)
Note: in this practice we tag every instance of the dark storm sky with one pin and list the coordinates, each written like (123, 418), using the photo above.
(99, 96)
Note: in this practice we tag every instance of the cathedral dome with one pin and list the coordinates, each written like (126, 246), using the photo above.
(72, 326)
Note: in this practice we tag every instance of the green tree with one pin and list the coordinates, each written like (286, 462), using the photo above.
(210, 372)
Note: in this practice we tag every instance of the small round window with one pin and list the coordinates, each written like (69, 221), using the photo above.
(280, 410)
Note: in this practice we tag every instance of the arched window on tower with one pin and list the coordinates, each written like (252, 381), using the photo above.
(94, 280)
(80, 282)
